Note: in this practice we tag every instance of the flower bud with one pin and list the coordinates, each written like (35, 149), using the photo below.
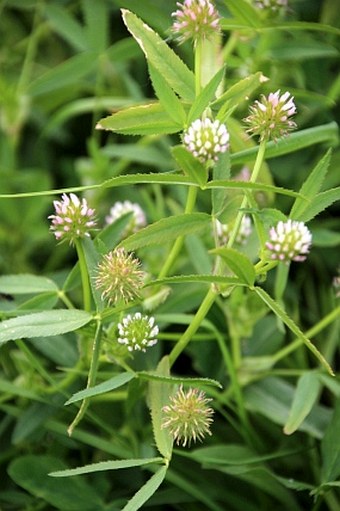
(188, 416)
(119, 277)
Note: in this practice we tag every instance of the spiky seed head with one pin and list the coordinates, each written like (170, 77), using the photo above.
(195, 19)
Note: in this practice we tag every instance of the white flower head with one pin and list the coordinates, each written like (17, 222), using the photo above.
(120, 209)
(270, 117)
(206, 139)
(72, 219)
(271, 5)
(223, 231)
(289, 241)
(137, 332)
(195, 19)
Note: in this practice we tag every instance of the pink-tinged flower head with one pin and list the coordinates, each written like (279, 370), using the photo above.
(137, 332)
(188, 416)
(72, 219)
(138, 219)
(195, 19)
(119, 277)
(270, 117)
(289, 241)
(206, 139)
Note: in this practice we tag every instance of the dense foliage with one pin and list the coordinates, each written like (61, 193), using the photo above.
(169, 332)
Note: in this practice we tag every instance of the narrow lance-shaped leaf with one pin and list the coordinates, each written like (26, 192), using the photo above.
(305, 396)
(26, 284)
(311, 187)
(330, 448)
(205, 97)
(238, 263)
(159, 397)
(190, 165)
(281, 313)
(107, 386)
(104, 465)
(167, 97)
(166, 230)
(43, 324)
(146, 491)
(244, 12)
(147, 119)
(322, 201)
(160, 55)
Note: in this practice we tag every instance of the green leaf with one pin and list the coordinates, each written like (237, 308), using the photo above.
(238, 263)
(294, 142)
(26, 284)
(43, 324)
(101, 388)
(190, 165)
(167, 97)
(330, 448)
(325, 238)
(158, 397)
(67, 26)
(244, 12)
(311, 187)
(281, 313)
(205, 97)
(152, 376)
(166, 230)
(146, 491)
(31, 473)
(237, 93)
(221, 171)
(146, 119)
(200, 279)
(158, 53)
(97, 17)
(105, 465)
(68, 73)
(322, 201)
(305, 396)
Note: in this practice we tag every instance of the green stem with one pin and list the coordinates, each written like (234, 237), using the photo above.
(281, 278)
(193, 327)
(253, 178)
(323, 323)
(177, 246)
(198, 67)
(84, 276)
(91, 377)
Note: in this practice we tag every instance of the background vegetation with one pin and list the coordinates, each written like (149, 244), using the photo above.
(64, 66)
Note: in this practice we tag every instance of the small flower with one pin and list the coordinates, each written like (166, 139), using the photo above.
(271, 5)
(138, 332)
(188, 417)
(195, 19)
(119, 209)
(223, 230)
(119, 277)
(206, 139)
(270, 117)
(73, 218)
(289, 241)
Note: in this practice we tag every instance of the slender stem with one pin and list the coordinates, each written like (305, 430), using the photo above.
(253, 178)
(176, 248)
(198, 67)
(281, 278)
(193, 327)
(84, 276)
(91, 379)
(323, 323)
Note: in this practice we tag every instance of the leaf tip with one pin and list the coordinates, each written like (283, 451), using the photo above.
(99, 126)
